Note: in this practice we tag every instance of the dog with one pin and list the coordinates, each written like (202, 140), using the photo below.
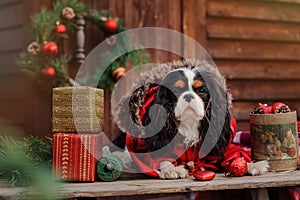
(189, 130)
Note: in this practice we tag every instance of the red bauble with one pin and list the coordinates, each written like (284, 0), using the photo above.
(60, 28)
(49, 72)
(50, 48)
(110, 25)
(119, 73)
(204, 175)
(238, 167)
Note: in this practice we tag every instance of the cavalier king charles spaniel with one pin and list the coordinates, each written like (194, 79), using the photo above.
(189, 130)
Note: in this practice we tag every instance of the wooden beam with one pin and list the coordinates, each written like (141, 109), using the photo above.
(9, 63)
(260, 10)
(12, 87)
(251, 50)
(194, 25)
(11, 15)
(11, 39)
(260, 90)
(259, 70)
(243, 29)
(12, 111)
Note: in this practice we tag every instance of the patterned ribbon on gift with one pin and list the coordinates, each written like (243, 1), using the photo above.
(109, 168)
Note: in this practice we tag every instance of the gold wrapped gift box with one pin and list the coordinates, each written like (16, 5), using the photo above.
(77, 109)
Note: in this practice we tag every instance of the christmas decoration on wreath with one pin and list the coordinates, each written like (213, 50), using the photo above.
(45, 59)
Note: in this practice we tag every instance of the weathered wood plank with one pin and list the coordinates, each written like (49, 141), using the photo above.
(8, 63)
(252, 50)
(12, 16)
(252, 30)
(264, 90)
(271, 70)
(7, 2)
(11, 129)
(254, 10)
(285, 1)
(155, 186)
(241, 110)
(11, 39)
(194, 25)
(12, 87)
(243, 126)
(12, 111)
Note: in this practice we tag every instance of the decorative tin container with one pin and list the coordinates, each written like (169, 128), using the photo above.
(274, 137)
(77, 109)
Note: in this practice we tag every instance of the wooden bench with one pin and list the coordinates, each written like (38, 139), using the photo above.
(123, 188)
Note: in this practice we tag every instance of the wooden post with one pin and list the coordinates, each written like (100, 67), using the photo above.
(80, 56)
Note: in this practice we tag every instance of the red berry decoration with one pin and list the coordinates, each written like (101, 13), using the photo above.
(60, 28)
(266, 109)
(110, 25)
(49, 72)
(119, 73)
(280, 107)
(238, 167)
(50, 48)
(204, 175)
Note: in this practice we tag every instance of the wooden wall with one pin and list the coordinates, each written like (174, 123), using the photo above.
(11, 80)
(22, 108)
(255, 44)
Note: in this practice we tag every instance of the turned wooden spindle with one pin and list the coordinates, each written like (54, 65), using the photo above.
(80, 55)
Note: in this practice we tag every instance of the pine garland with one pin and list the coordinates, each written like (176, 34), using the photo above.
(45, 60)
(21, 159)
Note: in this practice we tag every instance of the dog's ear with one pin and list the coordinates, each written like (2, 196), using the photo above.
(225, 135)
(215, 131)
(159, 121)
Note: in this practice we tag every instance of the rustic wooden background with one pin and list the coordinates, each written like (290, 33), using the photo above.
(254, 43)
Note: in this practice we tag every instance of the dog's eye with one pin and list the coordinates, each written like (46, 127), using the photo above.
(200, 90)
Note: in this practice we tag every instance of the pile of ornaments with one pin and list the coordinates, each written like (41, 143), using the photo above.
(277, 107)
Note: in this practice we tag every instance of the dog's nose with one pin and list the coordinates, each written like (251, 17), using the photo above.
(188, 97)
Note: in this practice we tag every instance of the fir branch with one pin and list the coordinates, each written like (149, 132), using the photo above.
(20, 159)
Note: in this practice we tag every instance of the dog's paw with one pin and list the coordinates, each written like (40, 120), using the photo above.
(257, 168)
(169, 171)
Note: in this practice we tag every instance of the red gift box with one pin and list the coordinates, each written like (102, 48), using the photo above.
(75, 156)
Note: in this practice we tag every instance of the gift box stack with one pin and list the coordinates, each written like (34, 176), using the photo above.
(77, 124)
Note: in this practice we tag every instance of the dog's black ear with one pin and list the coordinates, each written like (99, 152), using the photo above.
(159, 121)
(215, 131)
(225, 135)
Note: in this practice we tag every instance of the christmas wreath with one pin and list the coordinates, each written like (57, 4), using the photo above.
(45, 60)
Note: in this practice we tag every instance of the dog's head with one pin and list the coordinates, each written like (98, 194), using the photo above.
(190, 106)
(185, 97)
